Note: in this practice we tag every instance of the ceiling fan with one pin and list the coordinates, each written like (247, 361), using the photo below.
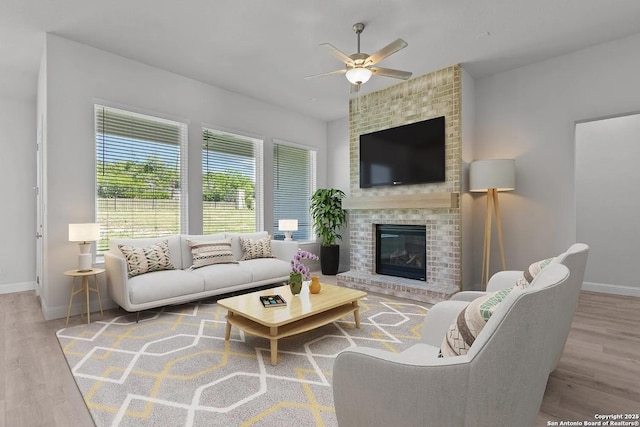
(359, 67)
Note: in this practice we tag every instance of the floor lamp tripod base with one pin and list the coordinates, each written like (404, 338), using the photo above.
(492, 202)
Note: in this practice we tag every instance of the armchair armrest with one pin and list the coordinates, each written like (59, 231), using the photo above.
(503, 280)
(370, 385)
(500, 280)
(467, 295)
(284, 251)
(117, 279)
(438, 319)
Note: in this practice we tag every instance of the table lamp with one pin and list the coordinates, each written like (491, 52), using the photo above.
(84, 234)
(492, 176)
(288, 225)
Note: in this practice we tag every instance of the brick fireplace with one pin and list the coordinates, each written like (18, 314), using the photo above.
(434, 206)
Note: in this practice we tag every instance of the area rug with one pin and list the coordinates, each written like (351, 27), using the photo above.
(174, 368)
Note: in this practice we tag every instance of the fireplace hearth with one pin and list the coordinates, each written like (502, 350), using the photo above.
(401, 251)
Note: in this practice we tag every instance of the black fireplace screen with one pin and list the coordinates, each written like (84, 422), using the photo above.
(401, 250)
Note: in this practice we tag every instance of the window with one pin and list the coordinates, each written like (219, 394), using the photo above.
(294, 181)
(140, 175)
(231, 182)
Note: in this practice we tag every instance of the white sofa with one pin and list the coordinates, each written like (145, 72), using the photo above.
(184, 284)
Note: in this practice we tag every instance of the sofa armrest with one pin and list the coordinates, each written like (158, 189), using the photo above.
(438, 319)
(117, 279)
(284, 250)
(371, 387)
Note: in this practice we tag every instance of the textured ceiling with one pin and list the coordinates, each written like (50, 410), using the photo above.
(264, 49)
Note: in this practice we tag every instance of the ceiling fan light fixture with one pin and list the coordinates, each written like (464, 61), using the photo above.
(358, 75)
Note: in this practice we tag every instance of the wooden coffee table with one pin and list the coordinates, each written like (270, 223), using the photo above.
(302, 313)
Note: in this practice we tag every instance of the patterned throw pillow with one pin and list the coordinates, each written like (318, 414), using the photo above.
(252, 249)
(463, 332)
(146, 260)
(530, 273)
(213, 252)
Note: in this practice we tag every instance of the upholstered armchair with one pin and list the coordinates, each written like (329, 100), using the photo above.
(575, 258)
(499, 382)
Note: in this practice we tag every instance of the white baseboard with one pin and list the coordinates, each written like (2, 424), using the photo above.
(8, 288)
(611, 289)
(60, 312)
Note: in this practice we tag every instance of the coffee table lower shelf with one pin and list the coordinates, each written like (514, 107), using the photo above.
(274, 333)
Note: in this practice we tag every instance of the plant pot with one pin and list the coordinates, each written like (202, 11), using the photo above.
(330, 259)
(295, 283)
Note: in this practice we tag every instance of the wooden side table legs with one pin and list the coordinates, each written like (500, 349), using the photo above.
(84, 288)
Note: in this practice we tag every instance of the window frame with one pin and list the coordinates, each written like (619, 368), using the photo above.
(259, 143)
(183, 145)
(313, 181)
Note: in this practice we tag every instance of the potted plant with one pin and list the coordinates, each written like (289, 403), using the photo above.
(328, 217)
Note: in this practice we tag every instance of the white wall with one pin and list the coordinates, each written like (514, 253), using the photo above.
(77, 77)
(529, 114)
(607, 210)
(338, 175)
(18, 212)
(466, 200)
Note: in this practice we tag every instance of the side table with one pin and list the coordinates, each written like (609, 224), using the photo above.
(84, 288)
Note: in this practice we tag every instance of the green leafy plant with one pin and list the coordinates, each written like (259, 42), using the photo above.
(327, 214)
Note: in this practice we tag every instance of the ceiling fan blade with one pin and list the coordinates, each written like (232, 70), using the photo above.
(342, 71)
(354, 88)
(390, 72)
(338, 53)
(389, 49)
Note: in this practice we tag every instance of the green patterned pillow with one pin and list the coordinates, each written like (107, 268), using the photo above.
(463, 332)
(145, 260)
(210, 253)
(252, 249)
(530, 273)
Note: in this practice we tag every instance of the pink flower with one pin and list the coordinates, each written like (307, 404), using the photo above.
(298, 267)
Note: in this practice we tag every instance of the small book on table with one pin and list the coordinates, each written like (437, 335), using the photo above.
(272, 300)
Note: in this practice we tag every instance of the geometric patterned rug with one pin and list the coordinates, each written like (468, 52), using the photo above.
(174, 368)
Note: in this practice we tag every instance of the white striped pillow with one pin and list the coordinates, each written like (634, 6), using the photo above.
(210, 253)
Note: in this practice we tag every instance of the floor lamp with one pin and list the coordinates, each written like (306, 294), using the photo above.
(491, 176)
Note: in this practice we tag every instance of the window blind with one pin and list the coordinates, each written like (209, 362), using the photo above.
(140, 175)
(294, 181)
(231, 182)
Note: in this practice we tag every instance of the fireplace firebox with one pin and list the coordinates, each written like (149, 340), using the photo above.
(401, 250)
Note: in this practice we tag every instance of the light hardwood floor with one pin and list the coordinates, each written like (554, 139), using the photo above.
(599, 371)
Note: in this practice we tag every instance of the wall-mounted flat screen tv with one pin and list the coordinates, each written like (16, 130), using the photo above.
(408, 154)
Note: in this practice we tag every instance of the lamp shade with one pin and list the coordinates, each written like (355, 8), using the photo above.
(358, 75)
(288, 225)
(496, 173)
(85, 232)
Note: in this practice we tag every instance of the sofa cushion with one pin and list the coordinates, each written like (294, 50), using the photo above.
(175, 254)
(222, 276)
(161, 285)
(252, 249)
(236, 246)
(531, 272)
(210, 253)
(187, 259)
(267, 268)
(154, 257)
(467, 326)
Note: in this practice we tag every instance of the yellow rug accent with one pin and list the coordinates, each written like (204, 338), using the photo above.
(174, 367)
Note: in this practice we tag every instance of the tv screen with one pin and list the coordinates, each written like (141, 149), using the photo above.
(408, 154)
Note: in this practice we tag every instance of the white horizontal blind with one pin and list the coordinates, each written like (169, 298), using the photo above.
(140, 175)
(231, 182)
(294, 181)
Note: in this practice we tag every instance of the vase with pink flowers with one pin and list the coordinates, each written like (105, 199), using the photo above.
(299, 271)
